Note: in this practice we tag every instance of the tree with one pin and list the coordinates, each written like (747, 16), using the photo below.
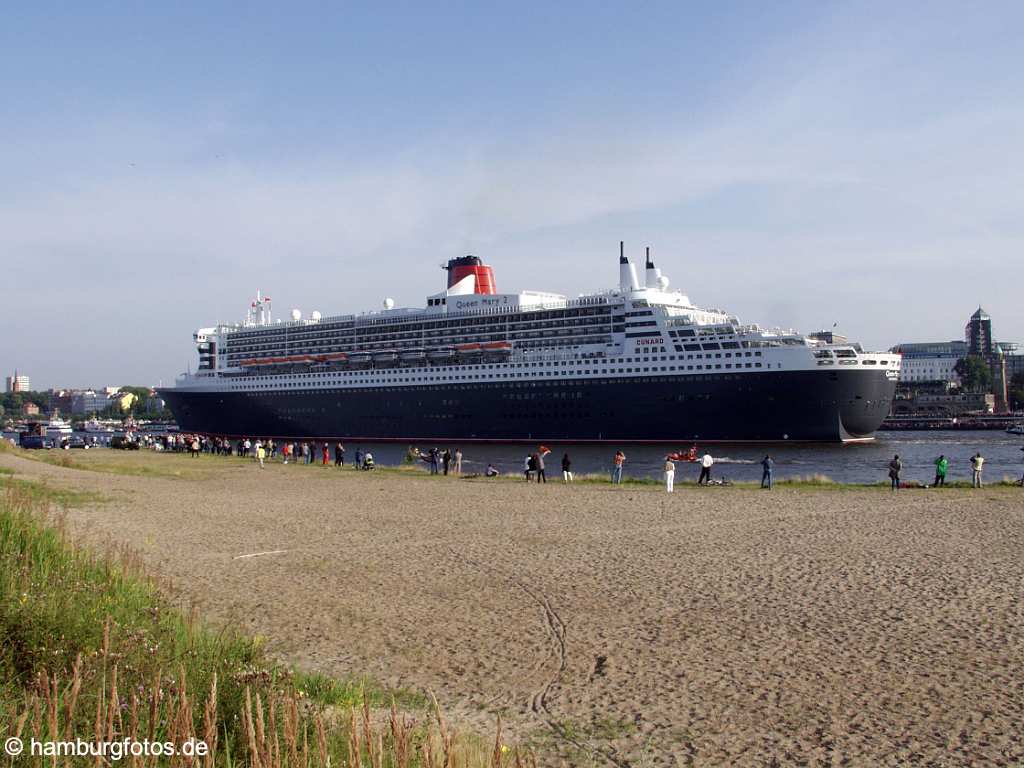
(13, 402)
(1017, 392)
(974, 373)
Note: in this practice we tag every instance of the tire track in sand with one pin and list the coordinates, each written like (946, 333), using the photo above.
(555, 628)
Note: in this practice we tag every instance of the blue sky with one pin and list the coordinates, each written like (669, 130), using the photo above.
(796, 163)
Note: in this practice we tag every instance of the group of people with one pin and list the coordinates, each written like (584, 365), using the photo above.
(305, 452)
(446, 461)
(449, 461)
(707, 461)
(261, 451)
(977, 462)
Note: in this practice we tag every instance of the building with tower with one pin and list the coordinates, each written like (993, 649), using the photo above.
(930, 366)
(18, 383)
(978, 334)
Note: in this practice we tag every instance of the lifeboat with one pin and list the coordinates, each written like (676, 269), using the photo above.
(467, 349)
(413, 356)
(441, 355)
(500, 349)
(386, 357)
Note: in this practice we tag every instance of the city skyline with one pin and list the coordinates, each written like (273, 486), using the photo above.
(801, 167)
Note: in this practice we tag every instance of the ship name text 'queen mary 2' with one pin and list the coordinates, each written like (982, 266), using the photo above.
(637, 364)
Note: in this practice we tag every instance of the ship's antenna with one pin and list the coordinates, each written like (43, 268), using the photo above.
(622, 251)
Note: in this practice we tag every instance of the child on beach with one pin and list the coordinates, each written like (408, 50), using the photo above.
(941, 467)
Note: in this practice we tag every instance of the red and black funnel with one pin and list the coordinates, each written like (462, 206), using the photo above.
(463, 266)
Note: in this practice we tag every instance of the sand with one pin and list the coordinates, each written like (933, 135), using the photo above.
(616, 626)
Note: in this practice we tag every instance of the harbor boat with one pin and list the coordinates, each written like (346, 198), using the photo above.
(1016, 429)
(97, 426)
(636, 363)
(58, 429)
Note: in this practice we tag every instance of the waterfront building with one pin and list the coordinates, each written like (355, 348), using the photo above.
(931, 362)
(978, 334)
(945, 405)
(88, 401)
(18, 383)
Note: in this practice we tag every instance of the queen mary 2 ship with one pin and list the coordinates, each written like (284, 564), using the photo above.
(640, 363)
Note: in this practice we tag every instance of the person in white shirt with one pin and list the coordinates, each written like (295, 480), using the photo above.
(977, 462)
(670, 475)
(706, 463)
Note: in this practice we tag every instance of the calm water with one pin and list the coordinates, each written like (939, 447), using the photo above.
(856, 463)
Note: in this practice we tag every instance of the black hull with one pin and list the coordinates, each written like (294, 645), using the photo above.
(768, 407)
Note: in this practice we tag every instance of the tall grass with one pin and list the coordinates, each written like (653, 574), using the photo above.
(91, 649)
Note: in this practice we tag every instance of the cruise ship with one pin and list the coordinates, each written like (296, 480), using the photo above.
(639, 363)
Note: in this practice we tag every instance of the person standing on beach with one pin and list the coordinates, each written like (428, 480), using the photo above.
(541, 477)
(941, 467)
(895, 467)
(446, 460)
(286, 450)
(670, 475)
(977, 463)
(457, 462)
(566, 469)
(766, 472)
(617, 462)
(528, 467)
(339, 455)
(261, 453)
(433, 461)
(706, 462)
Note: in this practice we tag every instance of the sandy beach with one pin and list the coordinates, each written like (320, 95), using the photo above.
(614, 625)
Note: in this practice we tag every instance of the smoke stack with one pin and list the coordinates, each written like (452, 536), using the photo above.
(466, 266)
(652, 273)
(627, 272)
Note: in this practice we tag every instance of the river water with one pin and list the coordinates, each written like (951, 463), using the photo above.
(851, 463)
